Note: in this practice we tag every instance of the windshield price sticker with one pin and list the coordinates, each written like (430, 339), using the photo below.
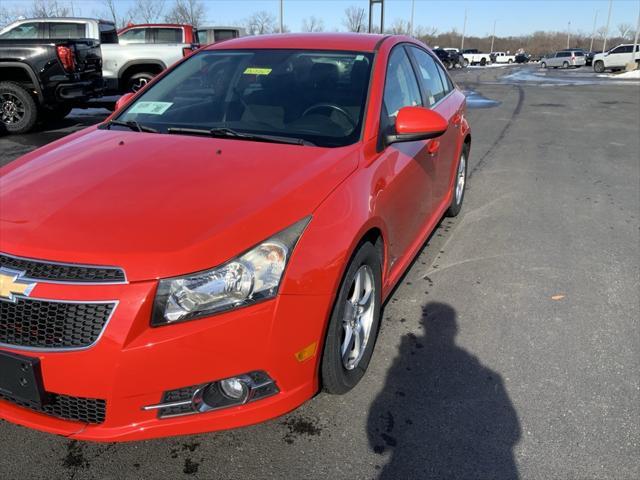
(257, 71)
(151, 108)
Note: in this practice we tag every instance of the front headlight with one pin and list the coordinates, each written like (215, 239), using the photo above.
(255, 275)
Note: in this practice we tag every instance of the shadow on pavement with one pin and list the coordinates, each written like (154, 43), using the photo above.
(442, 414)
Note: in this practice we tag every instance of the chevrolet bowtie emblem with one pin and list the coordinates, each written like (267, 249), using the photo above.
(12, 285)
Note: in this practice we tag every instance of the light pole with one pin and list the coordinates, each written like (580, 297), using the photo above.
(493, 37)
(568, 34)
(413, 11)
(281, 16)
(606, 31)
(635, 45)
(593, 35)
(464, 29)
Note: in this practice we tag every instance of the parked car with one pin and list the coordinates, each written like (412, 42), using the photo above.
(588, 58)
(447, 58)
(44, 79)
(616, 58)
(215, 34)
(125, 68)
(563, 59)
(473, 56)
(522, 58)
(502, 57)
(219, 250)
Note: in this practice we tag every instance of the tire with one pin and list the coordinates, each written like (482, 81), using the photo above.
(565, 65)
(340, 372)
(18, 109)
(483, 61)
(510, 61)
(543, 65)
(465, 63)
(138, 80)
(598, 66)
(56, 113)
(459, 184)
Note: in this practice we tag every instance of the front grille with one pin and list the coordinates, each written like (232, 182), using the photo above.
(56, 272)
(78, 409)
(48, 324)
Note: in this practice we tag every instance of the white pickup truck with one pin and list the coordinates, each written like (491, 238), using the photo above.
(475, 57)
(616, 58)
(502, 57)
(125, 67)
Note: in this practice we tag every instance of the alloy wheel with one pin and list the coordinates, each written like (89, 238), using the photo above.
(358, 317)
(12, 109)
(461, 178)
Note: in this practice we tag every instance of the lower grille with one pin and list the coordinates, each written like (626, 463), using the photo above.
(48, 324)
(78, 409)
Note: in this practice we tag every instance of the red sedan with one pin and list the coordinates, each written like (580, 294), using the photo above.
(219, 249)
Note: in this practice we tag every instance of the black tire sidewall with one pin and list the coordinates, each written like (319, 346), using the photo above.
(334, 377)
(598, 67)
(31, 109)
(149, 76)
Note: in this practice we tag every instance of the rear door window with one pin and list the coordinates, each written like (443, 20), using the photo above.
(430, 78)
(166, 35)
(67, 30)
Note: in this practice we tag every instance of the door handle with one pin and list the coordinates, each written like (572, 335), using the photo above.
(433, 147)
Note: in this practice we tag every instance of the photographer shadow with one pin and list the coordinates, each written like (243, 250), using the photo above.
(442, 414)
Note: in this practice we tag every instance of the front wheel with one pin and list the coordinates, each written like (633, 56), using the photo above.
(18, 110)
(465, 63)
(543, 65)
(459, 184)
(483, 61)
(565, 65)
(510, 61)
(138, 81)
(353, 325)
(598, 67)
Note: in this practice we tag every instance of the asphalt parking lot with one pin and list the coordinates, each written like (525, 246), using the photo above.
(511, 348)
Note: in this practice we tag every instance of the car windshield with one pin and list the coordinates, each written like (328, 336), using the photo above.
(313, 96)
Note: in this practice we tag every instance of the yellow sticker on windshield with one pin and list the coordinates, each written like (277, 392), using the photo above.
(257, 71)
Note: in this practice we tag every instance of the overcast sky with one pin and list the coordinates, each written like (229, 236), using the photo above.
(513, 17)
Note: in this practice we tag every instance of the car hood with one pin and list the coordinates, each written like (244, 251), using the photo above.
(159, 205)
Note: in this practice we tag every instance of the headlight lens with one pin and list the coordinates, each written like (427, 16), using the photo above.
(253, 276)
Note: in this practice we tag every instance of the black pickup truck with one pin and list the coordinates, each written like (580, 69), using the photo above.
(45, 79)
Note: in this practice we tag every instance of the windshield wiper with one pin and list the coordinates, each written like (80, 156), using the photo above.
(224, 132)
(133, 125)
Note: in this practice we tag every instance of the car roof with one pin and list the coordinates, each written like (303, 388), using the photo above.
(63, 19)
(358, 42)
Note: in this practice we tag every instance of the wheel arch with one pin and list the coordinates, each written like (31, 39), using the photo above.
(22, 74)
(138, 66)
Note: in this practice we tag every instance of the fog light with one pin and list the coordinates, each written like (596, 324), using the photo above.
(234, 388)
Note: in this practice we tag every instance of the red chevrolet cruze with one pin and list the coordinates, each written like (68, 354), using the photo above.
(219, 249)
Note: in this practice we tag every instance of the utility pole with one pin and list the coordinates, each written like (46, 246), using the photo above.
(606, 31)
(493, 37)
(593, 35)
(464, 29)
(371, 4)
(635, 45)
(568, 34)
(413, 11)
(281, 16)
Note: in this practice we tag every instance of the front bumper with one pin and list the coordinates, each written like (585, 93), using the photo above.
(133, 364)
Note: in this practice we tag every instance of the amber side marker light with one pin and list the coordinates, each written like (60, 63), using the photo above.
(307, 352)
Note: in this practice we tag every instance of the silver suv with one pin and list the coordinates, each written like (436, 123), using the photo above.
(564, 59)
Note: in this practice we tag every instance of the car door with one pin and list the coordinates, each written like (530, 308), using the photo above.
(436, 89)
(409, 170)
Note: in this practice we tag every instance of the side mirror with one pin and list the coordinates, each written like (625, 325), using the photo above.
(123, 100)
(417, 123)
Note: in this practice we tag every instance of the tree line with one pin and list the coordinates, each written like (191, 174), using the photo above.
(355, 19)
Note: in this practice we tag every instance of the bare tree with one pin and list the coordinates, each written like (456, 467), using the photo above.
(399, 27)
(112, 11)
(51, 8)
(625, 30)
(186, 11)
(312, 24)
(355, 19)
(8, 15)
(260, 23)
(146, 11)
(421, 31)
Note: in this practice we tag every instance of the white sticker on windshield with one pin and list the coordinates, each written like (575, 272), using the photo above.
(151, 108)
